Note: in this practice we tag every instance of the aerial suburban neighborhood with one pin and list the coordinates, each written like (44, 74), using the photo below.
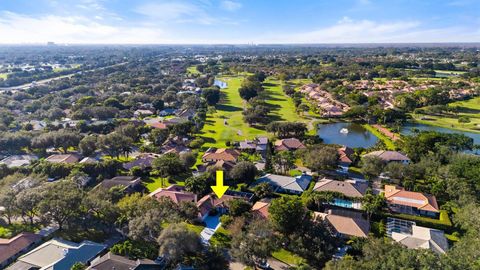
(160, 135)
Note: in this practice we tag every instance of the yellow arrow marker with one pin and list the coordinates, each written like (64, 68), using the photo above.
(219, 189)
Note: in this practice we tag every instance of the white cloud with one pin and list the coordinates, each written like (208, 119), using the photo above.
(348, 30)
(18, 28)
(178, 12)
(230, 5)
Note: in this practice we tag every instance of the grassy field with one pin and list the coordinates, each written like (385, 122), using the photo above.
(388, 142)
(227, 124)
(193, 70)
(469, 108)
(3, 76)
(153, 183)
(287, 257)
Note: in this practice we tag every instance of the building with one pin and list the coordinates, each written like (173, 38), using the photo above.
(260, 209)
(111, 261)
(258, 144)
(142, 113)
(210, 202)
(345, 223)
(286, 184)
(410, 202)
(176, 193)
(143, 162)
(11, 248)
(424, 238)
(352, 191)
(224, 154)
(58, 254)
(345, 156)
(18, 160)
(129, 184)
(389, 156)
(290, 144)
(67, 158)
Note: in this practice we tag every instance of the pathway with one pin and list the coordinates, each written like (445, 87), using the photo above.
(212, 225)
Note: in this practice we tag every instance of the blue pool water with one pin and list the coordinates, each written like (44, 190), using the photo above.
(342, 203)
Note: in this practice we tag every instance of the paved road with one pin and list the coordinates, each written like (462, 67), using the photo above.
(45, 81)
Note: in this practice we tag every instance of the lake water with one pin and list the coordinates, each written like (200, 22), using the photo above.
(356, 137)
(408, 129)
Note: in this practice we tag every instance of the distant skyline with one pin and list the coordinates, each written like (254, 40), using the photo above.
(238, 21)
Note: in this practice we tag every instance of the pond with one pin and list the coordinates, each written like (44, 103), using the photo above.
(357, 136)
(408, 129)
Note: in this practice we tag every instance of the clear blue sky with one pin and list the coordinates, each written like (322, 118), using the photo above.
(239, 21)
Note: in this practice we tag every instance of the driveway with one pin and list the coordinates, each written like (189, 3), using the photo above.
(212, 224)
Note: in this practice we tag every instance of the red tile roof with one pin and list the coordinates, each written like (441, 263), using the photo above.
(221, 154)
(396, 195)
(289, 144)
(11, 247)
(176, 193)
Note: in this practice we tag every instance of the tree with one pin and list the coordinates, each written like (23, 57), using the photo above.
(188, 210)
(188, 159)
(27, 202)
(263, 190)
(177, 242)
(115, 144)
(199, 185)
(372, 204)
(128, 130)
(7, 200)
(78, 266)
(321, 157)
(237, 207)
(168, 165)
(211, 95)
(88, 145)
(287, 213)
(60, 203)
(159, 136)
(372, 166)
(283, 161)
(147, 226)
(244, 172)
(158, 104)
(254, 244)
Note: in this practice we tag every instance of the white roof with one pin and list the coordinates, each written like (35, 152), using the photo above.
(423, 237)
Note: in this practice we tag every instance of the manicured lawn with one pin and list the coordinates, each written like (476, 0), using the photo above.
(195, 228)
(388, 142)
(120, 158)
(153, 183)
(227, 124)
(282, 106)
(221, 238)
(3, 76)
(287, 257)
(469, 108)
(193, 70)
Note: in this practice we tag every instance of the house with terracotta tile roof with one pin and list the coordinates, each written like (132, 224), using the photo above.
(11, 248)
(345, 224)
(345, 156)
(210, 202)
(290, 144)
(423, 238)
(224, 154)
(67, 158)
(410, 202)
(260, 209)
(176, 193)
